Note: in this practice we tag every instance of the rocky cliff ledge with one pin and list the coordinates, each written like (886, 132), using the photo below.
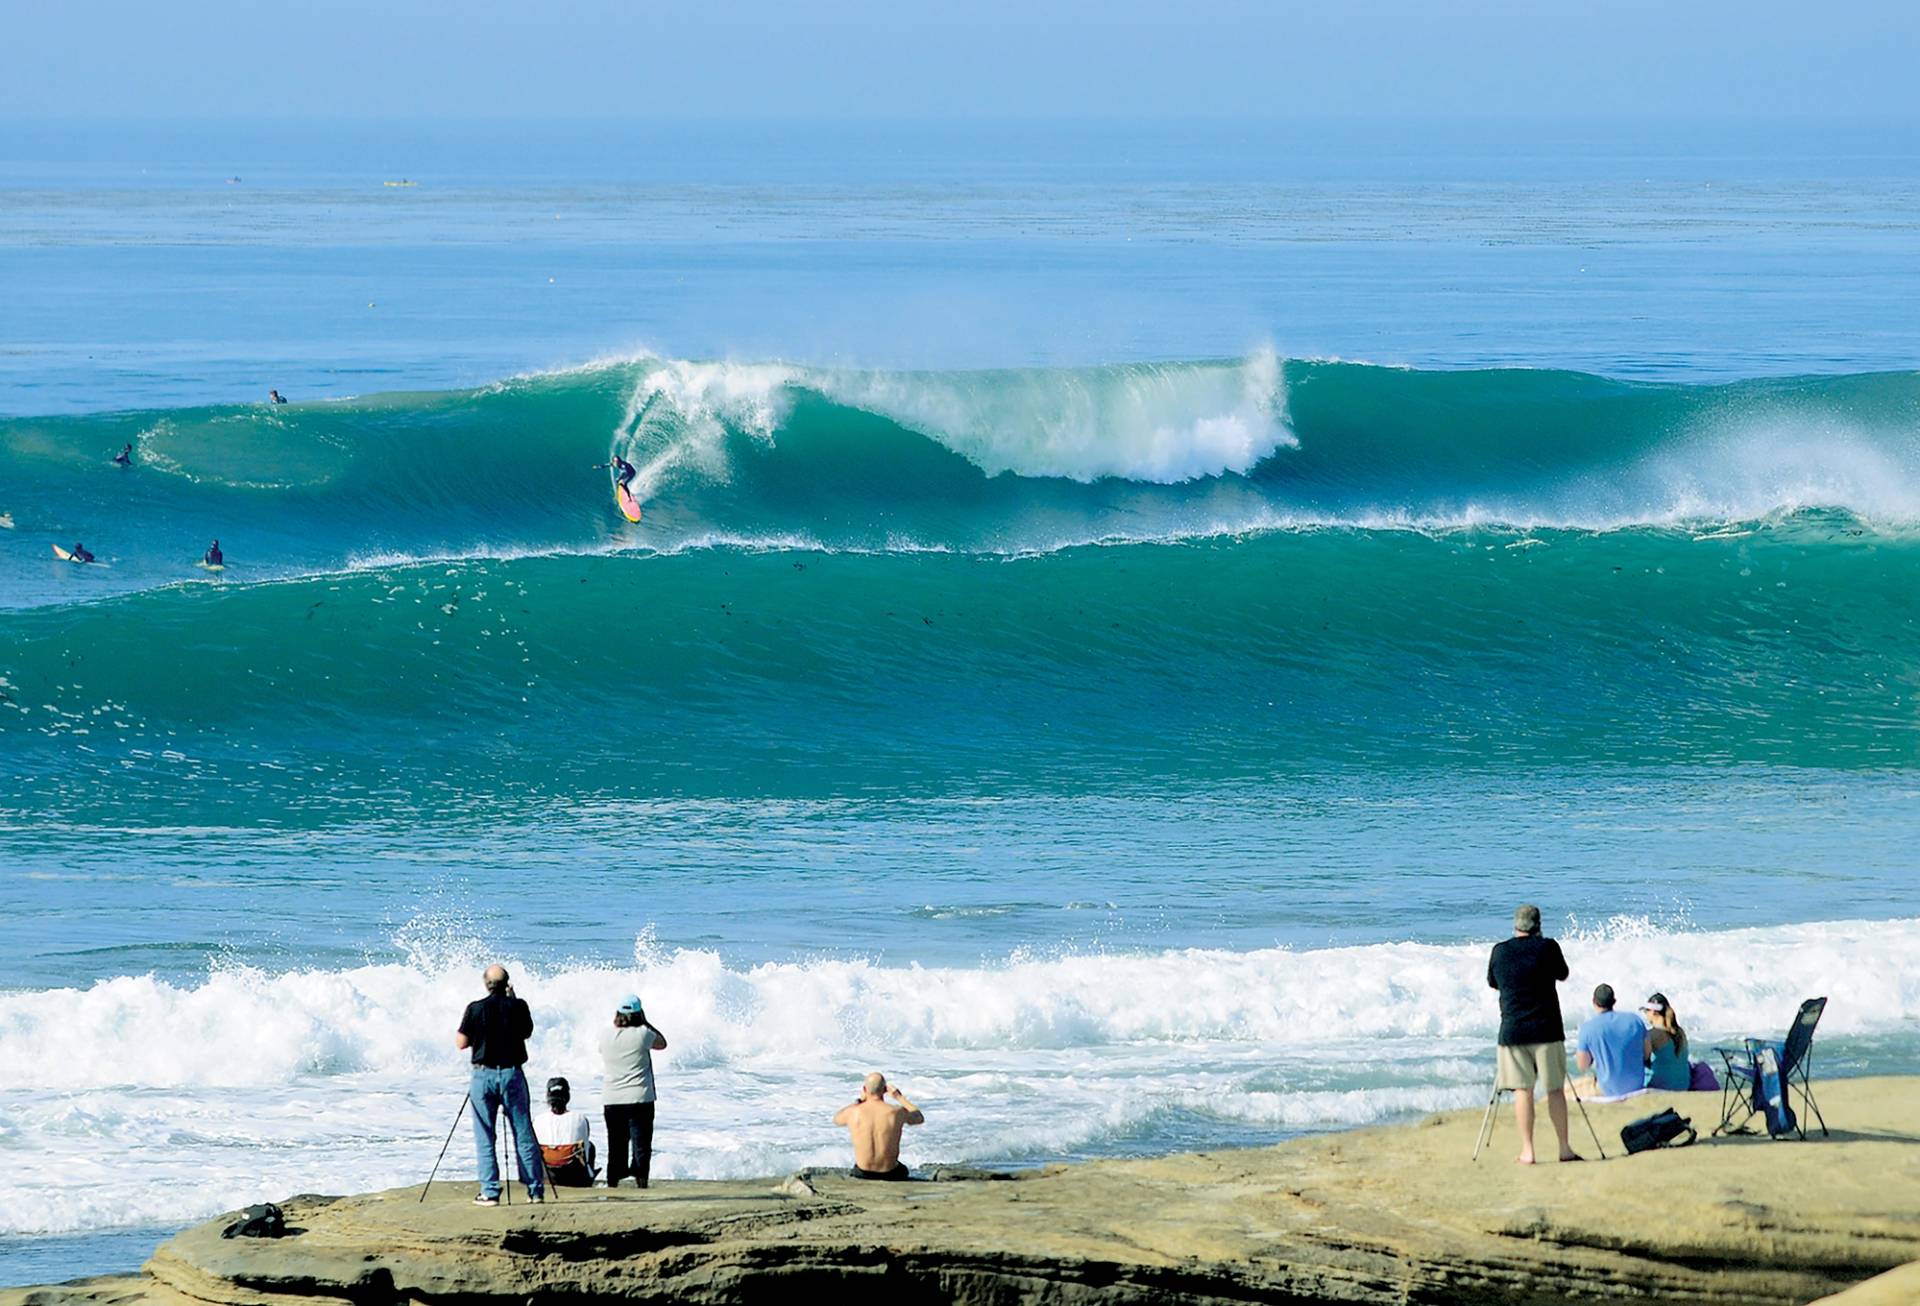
(1390, 1215)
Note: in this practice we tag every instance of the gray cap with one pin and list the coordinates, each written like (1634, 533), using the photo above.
(1526, 918)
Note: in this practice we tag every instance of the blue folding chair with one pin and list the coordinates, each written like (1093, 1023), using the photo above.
(1787, 1064)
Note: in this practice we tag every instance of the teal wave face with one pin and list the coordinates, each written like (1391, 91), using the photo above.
(1008, 462)
(851, 579)
(790, 672)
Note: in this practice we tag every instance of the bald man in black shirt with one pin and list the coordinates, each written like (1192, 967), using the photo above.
(496, 1029)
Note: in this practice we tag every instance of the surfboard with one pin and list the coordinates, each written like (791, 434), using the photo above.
(6, 521)
(204, 565)
(629, 506)
(63, 555)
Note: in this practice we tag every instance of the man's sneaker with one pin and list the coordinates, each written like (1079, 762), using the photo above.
(484, 1200)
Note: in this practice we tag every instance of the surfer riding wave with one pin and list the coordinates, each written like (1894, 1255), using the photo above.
(625, 470)
(623, 474)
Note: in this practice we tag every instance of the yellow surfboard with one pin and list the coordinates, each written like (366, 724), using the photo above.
(629, 506)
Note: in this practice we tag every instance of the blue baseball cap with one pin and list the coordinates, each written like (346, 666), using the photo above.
(631, 1004)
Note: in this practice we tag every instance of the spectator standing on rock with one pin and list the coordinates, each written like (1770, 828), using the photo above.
(627, 1093)
(496, 1029)
(1533, 1041)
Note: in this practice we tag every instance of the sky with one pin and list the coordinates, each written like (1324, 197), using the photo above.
(109, 60)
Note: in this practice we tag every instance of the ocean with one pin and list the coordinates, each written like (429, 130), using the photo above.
(1122, 614)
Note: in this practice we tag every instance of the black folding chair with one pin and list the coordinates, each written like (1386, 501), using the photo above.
(1740, 1093)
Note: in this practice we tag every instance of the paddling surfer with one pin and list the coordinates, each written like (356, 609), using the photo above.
(275, 397)
(79, 553)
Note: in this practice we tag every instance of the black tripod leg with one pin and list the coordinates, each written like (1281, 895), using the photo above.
(464, 1101)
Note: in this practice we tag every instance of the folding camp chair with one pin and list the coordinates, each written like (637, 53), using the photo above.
(1743, 1089)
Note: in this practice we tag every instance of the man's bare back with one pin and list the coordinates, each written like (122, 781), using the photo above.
(875, 1125)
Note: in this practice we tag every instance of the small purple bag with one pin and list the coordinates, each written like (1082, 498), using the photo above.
(1704, 1080)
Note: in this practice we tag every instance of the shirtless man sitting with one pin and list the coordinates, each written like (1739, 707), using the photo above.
(875, 1126)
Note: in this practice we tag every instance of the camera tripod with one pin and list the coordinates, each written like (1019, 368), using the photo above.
(500, 1141)
(1485, 1133)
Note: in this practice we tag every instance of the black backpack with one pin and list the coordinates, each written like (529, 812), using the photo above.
(1657, 1130)
(263, 1221)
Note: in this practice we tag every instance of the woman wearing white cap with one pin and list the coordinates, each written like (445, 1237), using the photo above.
(1667, 1067)
(626, 1051)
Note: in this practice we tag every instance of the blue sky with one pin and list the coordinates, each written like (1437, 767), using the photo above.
(654, 59)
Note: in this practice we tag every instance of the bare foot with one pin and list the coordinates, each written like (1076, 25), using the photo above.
(1523, 1160)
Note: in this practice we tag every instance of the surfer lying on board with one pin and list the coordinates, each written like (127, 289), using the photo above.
(124, 457)
(79, 553)
(626, 469)
(214, 557)
(274, 396)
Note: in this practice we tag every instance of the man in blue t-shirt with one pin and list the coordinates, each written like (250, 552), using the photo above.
(1613, 1045)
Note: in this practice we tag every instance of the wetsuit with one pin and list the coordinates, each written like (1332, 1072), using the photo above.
(124, 457)
(626, 469)
(215, 558)
(80, 554)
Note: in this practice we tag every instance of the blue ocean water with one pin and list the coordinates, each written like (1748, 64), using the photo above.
(1122, 613)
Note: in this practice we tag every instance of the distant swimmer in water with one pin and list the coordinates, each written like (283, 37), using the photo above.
(276, 397)
(124, 457)
(79, 553)
(214, 557)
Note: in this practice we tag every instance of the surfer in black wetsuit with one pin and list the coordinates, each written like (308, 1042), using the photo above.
(214, 557)
(626, 469)
(276, 397)
(79, 553)
(125, 457)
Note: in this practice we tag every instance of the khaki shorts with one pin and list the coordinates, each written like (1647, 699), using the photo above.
(1525, 1063)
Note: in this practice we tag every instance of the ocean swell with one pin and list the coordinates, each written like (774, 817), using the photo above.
(1002, 462)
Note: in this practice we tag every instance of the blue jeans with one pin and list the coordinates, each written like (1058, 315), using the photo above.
(495, 1089)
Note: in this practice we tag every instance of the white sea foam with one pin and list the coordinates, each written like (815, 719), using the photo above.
(252, 1085)
(1143, 422)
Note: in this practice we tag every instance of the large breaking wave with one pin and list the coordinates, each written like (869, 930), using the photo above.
(1234, 569)
(1003, 461)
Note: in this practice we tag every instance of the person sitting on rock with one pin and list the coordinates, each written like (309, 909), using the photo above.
(566, 1138)
(1612, 1044)
(875, 1125)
